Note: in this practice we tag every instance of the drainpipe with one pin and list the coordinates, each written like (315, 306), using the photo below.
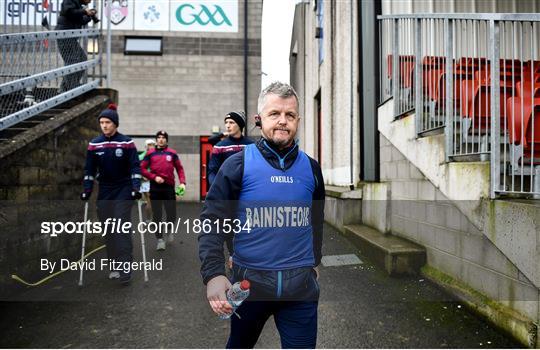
(351, 186)
(109, 51)
(246, 63)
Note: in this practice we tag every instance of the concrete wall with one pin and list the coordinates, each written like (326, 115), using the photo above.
(297, 64)
(304, 73)
(342, 207)
(191, 87)
(421, 213)
(42, 171)
(342, 116)
(332, 77)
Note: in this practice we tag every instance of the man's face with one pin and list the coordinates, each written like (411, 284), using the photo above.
(161, 141)
(108, 128)
(232, 128)
(279, 118)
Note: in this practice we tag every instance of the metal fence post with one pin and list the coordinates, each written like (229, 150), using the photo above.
(395, 66)
(449, 98)
(494, 37)
(109, 37)
(419, 108)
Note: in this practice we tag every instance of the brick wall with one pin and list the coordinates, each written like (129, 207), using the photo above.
(41, 180)
(191, 87)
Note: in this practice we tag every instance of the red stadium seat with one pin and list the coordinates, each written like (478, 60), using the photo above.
(406, 66)
(463, 69)
(520, 126)
(527, 89)
(476, 96)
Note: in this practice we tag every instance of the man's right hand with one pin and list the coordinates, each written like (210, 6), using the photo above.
(159, 180)
(90, 12)
(216, 290)
(85, 196)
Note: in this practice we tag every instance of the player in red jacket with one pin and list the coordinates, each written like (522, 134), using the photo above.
(158, 166)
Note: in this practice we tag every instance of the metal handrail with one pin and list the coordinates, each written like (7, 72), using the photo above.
(452, 71)
(36, 79)
(18, 38)
(40, 107)
(527, 17)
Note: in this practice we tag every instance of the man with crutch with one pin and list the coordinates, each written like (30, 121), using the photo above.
(114, 157)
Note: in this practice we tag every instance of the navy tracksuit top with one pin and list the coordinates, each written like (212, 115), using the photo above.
(222, 151)
(113, 162)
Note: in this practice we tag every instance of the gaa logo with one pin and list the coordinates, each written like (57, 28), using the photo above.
(169, 158)
(119, 152)
(187, 14)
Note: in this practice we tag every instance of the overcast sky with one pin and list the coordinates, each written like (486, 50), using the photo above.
(276, 39)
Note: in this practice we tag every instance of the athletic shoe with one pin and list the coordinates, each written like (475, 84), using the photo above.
(160, 244)
(114, 275)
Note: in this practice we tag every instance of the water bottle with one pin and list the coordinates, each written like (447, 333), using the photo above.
(235, 296)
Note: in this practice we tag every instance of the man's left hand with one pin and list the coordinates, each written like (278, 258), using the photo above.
(316, 268)
(216, 293)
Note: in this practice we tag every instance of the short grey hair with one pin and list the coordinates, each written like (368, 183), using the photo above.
(277, 88)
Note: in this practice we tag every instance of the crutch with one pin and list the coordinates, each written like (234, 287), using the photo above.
(83, 242)
(139, 204)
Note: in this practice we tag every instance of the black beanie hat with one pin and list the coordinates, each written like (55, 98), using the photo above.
(163, 133)
(110, 113)
(238, 117)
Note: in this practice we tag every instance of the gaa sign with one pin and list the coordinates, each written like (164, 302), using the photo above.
(204, 16)
(145, 15)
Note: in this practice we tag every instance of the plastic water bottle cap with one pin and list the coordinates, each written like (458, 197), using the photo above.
(244, 285)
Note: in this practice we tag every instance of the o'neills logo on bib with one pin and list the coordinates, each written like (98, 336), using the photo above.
(282, 179)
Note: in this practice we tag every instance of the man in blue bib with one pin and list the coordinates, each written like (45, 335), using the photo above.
(271, 195)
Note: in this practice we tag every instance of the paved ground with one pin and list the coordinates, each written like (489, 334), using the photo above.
(360, 307)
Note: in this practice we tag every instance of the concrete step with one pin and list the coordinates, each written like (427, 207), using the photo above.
(395, 254)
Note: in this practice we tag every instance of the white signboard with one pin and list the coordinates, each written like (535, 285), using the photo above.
(17, 12)
(163, 15)
(204, 15)
(152, 15)
(122, 14)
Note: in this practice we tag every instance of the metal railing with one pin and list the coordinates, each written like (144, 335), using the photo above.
(475, 77)
(398, 44)
(41, 67)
